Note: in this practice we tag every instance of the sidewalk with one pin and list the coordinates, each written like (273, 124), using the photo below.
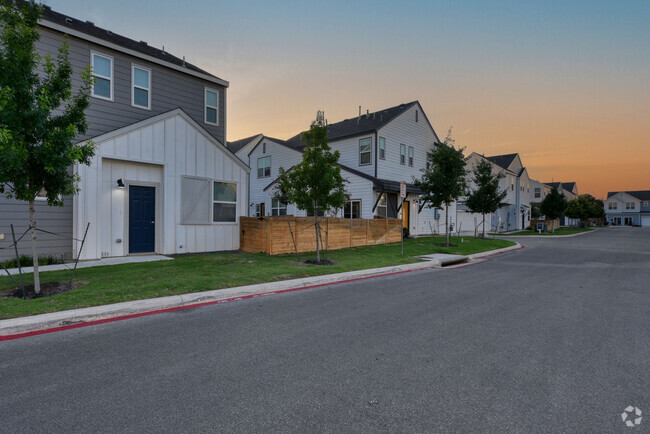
(37, 324)
(86, 264)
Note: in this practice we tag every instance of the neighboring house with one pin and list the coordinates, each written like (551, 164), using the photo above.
(162, 180)
(570, 192)
(515, 212)
(378, 150)
(241, 148)
(538, 191)
(630, 208)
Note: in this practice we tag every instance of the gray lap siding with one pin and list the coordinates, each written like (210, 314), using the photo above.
(170, 89)
(52, 219)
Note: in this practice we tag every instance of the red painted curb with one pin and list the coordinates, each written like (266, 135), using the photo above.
(189, 306)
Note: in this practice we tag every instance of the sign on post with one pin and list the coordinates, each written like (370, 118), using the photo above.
(402, 189)
(402, 193)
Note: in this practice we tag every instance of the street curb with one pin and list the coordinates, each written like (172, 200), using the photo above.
(549, 236)
(16, 328)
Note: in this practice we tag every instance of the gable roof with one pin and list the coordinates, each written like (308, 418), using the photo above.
(638, 194)
(235, 146)
(66, 24)
(364, 124)
(554, 184)
(503, 161)
(568, 186)
(165, 115)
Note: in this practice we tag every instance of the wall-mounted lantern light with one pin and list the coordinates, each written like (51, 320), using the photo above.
(120, 184)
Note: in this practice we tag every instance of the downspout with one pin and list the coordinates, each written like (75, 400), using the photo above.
(376, 151)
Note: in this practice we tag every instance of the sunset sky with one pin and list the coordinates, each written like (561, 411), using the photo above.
(566, 84)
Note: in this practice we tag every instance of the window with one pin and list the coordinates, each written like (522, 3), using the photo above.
(264, 148)
(102, 67)
(627, 205)
(382, 148)
(224, 203)
(211, 107)
(402, 154)
(278, 208)
(140, 87)
(411, 156)
(512, 187)
(195, 200)
(381, 206)
(352, 209)
(258, 210)
(538, 192)
(365, 151)
(632, 205)
(264, 167)
(416, 116)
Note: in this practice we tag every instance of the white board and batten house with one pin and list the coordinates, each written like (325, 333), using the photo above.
(377, 151)
(188, 185)
(162, 180)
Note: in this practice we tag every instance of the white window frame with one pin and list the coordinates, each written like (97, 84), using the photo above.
(258, 167)
(223, 181)
(349, 203)
(383, 203)
(134, 86)
(110, 79)
(276, 210)
(411, 156)
(382, 148)
(402, 154)
(369, 151)
(206, 106)
(538, 193)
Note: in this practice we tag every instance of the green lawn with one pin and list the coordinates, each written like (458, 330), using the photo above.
(202, 272)
(558, 231)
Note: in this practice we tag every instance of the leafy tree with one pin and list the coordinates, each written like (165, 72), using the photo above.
(39, 116)
(315, 184)
(486, 198)
(535, 210)
(443, 180)
(585, 206)
(553, 206)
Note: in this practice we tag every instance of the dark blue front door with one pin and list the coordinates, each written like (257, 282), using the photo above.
(142, 212)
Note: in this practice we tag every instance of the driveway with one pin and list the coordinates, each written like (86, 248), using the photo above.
(551, 338)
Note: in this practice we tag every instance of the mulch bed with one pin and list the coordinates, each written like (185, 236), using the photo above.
(47, 290)
(321, 262)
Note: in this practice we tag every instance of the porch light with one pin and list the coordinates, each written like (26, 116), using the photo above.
(120, 183)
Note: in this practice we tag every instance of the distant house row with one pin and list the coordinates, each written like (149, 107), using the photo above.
(628, 208)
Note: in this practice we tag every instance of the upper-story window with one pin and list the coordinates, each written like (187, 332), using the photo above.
(382, 148)
(402, 154)
(538, 192)
(629, 205)
(411, 153)
(211, 106)
(102, 67)
(416, 116)
(612, 205)
(365, 151)
(140, 87)
(264, 167)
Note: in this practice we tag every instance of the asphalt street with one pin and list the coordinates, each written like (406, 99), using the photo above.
(551, 338)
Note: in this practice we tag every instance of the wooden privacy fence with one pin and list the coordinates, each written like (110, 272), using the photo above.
(287, 234)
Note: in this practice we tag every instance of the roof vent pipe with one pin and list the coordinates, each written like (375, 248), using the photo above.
(359, 111)
(183, 60)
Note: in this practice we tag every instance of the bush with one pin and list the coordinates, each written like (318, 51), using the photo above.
(26, 261)
(406, 232)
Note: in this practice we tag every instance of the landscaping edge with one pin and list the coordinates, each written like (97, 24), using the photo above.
(14, 328)
(548, 236)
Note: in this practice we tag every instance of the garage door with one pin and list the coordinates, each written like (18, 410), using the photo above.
(645, 220)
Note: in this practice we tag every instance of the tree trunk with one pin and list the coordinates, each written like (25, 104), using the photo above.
(32, 225)
(483, 226)
(317, 233)
(447, 223)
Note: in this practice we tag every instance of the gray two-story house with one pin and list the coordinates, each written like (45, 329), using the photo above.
(162, 180)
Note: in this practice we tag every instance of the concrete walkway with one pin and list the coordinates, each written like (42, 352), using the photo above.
(69, 318)
(87, 264)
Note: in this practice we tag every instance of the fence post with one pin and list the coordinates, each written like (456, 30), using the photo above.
(20, 269)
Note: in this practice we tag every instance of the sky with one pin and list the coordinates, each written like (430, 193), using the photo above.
(566, 84)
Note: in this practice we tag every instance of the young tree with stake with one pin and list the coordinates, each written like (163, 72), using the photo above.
(443, 180)
(315, 184)
(486, 198)
(40, 117)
